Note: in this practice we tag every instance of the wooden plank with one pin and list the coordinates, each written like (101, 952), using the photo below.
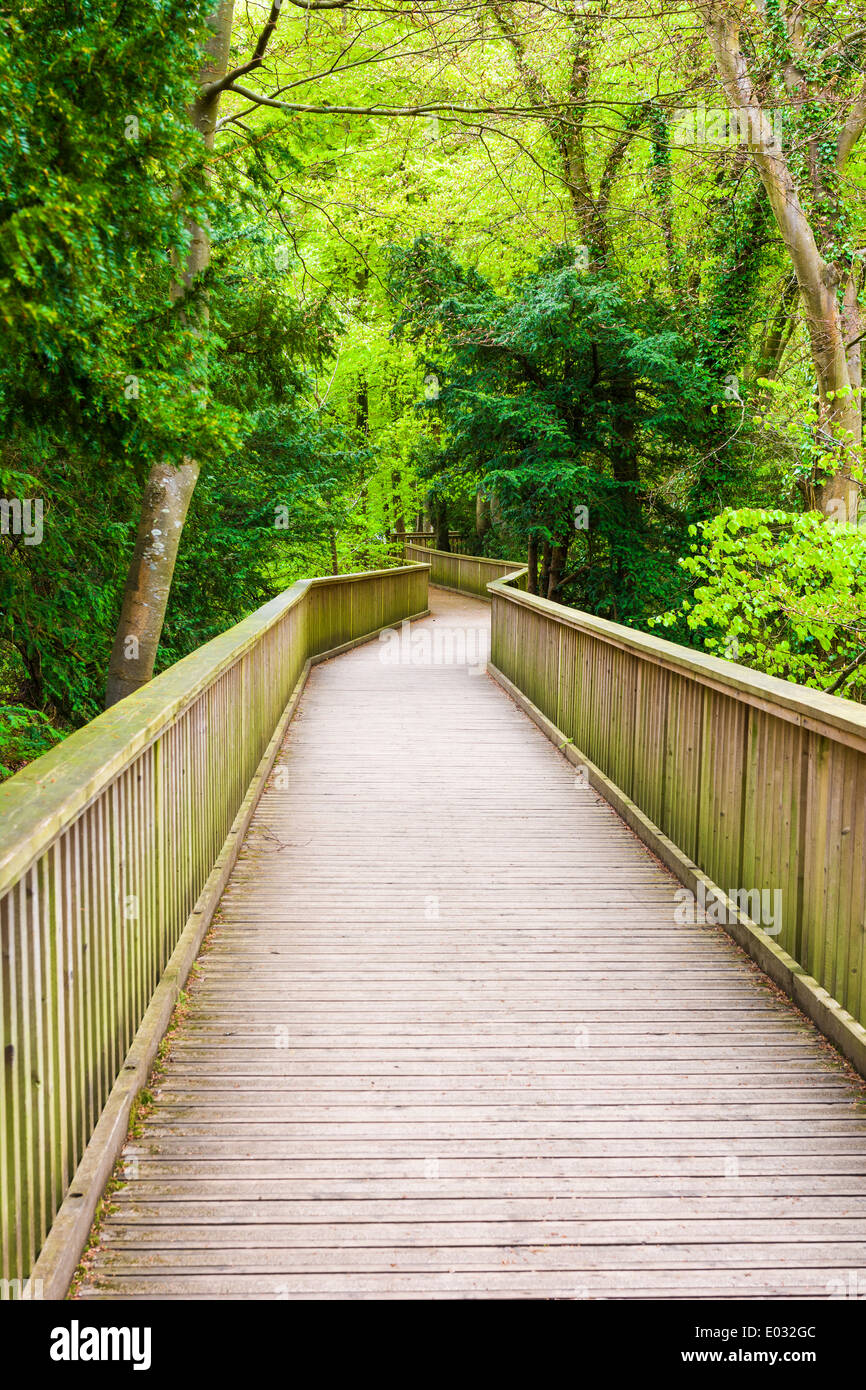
(594, 1214)
(819, 1171)
(177, 1183)
(346, 1145)
(262, 1258)
(501, 1282)
(508, 1280)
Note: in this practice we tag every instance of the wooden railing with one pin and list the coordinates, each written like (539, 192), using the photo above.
(467, 574)
(757, 781)
(107, 843)
(426, 538)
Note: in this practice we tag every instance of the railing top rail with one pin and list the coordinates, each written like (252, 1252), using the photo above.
(815, 709)
(37, 802)
(471, 559)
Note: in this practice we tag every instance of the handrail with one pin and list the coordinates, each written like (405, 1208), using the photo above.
(467, 574)
(107, 842)
(427, 539)
(815, 709)
(425, 536)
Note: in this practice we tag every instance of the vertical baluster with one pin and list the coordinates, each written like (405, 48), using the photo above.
(14, 1258)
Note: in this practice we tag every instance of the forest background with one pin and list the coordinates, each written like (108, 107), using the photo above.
(580, 281)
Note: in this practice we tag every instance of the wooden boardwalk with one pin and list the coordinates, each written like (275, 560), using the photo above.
(447, 1039)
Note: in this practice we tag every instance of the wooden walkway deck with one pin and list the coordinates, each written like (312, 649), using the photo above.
(448, 1040)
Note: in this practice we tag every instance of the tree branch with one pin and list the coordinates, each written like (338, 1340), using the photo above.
(614, 160)
(852, 129)
(261, 48)
(849, 671)
(431, 108)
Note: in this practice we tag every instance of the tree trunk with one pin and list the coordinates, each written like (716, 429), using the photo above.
(778, 332)
(624, 461)
(544, 578)
(851, 330)
(148, 582)
(399, 519)
(362, 407)
(440, 517)
(840, 409)
(335, 564)
(482, 514)
(558, 561)
(169, 486)
(532, 565)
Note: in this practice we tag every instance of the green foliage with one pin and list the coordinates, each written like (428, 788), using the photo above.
(58, 598)
(260, 521)
(782, 593)
(99, 168)
(559, 392)
(103, 178)
(25, 734)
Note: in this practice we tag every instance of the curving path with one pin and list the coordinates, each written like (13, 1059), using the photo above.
(448, 1039)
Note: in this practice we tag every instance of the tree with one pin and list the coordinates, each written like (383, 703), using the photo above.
(171, 480)
(572, 405)
(100, 376)
(800, 59)
(87, 219)
(782, 593)
(566, 121)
